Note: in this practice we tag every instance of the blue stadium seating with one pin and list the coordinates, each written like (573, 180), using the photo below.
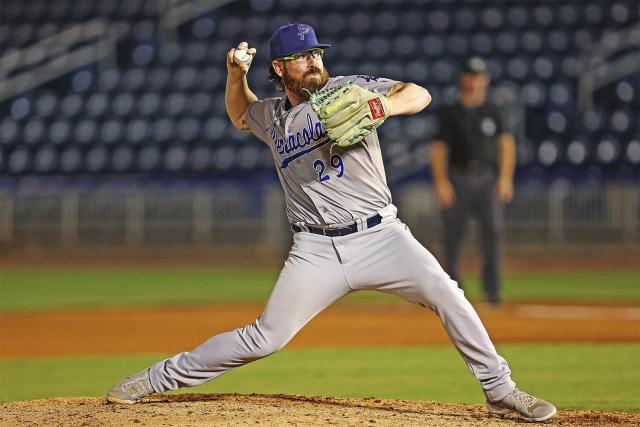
(158, 107)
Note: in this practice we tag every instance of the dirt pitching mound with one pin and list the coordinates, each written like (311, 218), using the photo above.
(274, 410)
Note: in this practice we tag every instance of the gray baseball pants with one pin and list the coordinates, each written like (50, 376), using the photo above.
(319, 271)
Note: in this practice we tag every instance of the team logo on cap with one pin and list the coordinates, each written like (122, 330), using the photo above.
(302, 30)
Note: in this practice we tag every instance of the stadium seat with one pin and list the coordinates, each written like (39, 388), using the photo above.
(432, 46)
(543, 68)
(215, 128)
(200, 159)
(332, 24)
(149, 158)
(625, 92)
(97, 104)
(517, 17)
(148, 104)
(71, 160)
(458, 45)
(122, 159)
(163, 130)
(59, 131)
(20, 108)
(464, 19)
(111, 131)
(142, 54)
(158, 79)
(557, 122)
(184, 78)
(9, 132)
(34, 132)
(577, 152)
(404, 46)
(633, 152)
(109, 79)
(188, 130)
(608, 151)
(549, 153)
(137, 131)
(19, 161)
(248, 157)
(386, 22)
(97, 159)
(543, 16)
(506, 42)
(223, 158)
(85, 131)
(567, 15)
(561, 94)
(133, 80)
(122, 105)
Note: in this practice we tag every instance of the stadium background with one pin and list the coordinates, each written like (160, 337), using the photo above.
(124, 186)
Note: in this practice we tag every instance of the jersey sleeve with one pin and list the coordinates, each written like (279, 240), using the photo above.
(259, 117)
(372, 83)
(445, 126)
(501, 123)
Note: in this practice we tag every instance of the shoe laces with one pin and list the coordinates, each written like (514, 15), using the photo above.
(520, 396)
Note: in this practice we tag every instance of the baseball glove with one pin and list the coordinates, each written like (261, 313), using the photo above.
(349, 112)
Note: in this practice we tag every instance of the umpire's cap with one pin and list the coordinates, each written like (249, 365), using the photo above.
(475, 65)
(292, 39)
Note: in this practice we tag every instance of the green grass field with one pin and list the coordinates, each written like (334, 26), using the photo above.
(598, 377)
(585, 376)
(37, 288)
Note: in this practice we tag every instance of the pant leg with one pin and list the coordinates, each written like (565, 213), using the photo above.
(490, 219)
(454, 219)
(391, 260)
(309, 282)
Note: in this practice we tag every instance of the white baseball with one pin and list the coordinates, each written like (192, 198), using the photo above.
(240, 56)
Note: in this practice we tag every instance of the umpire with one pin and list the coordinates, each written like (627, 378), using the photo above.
(472, 163)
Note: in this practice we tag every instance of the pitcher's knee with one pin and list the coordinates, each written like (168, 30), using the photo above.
(442, 291)
(261, 342)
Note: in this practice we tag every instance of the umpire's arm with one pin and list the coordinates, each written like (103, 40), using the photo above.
(237, 95)
(407, 99)
(506, 166)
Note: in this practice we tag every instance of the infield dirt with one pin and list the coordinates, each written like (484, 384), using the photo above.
(275, 410)
(162, 329)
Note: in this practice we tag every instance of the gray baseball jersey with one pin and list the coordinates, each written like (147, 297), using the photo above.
(331, 186)
(323, 184)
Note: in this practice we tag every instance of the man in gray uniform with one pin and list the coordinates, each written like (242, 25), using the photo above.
(346, 234)
(472, 163)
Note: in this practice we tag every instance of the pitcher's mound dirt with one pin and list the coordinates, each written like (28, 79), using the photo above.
(274, 410)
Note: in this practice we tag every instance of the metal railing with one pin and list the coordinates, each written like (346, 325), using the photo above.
(597, 71)
(24, 69)
(232, 215)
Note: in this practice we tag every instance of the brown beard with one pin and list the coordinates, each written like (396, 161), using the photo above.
(304, 87)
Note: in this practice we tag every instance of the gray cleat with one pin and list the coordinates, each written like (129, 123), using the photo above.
(131, 389)
(528, 407)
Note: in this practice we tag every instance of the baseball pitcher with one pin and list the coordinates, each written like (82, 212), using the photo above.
(322, 134)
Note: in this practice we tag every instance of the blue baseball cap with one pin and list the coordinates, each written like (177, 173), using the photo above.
(292, 39)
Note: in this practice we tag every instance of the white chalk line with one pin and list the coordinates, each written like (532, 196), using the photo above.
(539, 311)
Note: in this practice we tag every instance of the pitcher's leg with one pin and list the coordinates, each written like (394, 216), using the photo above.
(310, 281)
(403, 267)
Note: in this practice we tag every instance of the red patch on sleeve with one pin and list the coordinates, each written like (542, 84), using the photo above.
(377, 109)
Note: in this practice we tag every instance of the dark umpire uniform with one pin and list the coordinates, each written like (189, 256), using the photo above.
(472, 160)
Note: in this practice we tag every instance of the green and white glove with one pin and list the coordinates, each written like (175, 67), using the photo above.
(349, 112)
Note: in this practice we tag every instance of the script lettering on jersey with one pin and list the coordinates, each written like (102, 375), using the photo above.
(299, 143)
(367, 78)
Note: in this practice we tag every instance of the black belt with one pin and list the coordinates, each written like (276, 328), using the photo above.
(343, 231)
